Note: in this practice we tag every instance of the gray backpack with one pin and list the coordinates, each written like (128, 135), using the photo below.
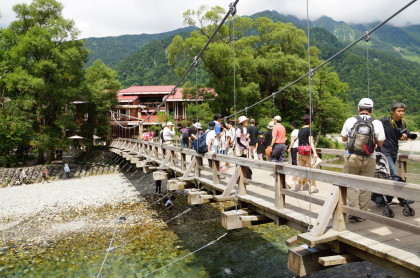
(361, 137)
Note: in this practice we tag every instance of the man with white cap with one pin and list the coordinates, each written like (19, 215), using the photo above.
(168, 133)
(361, 160)
(278, 142)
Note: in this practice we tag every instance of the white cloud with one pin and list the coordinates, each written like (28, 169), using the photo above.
(111, 18)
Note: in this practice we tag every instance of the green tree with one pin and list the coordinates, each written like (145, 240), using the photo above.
(15, 128)
(267, 56)
(44, 63)
(100, 86)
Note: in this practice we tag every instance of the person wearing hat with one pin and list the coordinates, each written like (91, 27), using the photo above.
(268, 139)
(194, 131)
(294, 142)
(168, 133)
(278, 143)
(358, 164)
(241, 148)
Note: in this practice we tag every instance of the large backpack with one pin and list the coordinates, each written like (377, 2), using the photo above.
(361, 137)
(184, 134)
(199, 144)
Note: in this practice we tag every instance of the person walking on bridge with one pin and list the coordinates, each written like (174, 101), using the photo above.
(356, 161)
(278, 143)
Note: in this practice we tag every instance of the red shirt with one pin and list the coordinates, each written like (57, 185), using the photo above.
(279, 131)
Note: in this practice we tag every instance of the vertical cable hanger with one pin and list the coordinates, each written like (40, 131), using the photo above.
(366, 37)
(196, 88)
(310, 75)
(274, 105)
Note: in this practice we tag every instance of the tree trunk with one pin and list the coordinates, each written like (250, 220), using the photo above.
(41, 159)
(50, 157)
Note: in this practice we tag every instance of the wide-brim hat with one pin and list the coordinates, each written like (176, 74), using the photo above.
(270, 125)
(170, 124)
(242, 119)
(198, 125)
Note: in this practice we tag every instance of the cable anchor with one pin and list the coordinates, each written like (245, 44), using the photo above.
(195, 61)
(232, 9)
(311, 73)
(366, 36)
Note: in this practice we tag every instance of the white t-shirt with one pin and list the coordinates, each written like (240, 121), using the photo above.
(377, 125)
(211, 135)
(295, 134)
(222, 140)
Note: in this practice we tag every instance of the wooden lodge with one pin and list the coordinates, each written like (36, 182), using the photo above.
(136, 103)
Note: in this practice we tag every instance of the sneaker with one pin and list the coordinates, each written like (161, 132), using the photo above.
(314, 191)
(353, 219)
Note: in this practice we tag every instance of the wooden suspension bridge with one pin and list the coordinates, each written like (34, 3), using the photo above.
(329, 240)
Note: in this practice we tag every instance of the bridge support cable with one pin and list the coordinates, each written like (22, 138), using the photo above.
(232, 11)
(311, 107)
(312, 71)
(367, 38)
(117, 221)
(189, 254)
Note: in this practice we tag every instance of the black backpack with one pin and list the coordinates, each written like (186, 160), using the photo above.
(161, 136)
(361, 137)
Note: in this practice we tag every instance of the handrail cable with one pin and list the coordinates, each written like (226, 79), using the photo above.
(326, 61)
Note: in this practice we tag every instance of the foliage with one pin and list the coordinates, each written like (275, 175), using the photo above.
(15, 127)
(270, 58)
(113, 50)
(100, 86)
(42, 73)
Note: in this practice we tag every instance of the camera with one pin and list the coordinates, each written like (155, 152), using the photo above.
(410, 135)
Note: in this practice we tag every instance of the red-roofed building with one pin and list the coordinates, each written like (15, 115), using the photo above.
(141, 101)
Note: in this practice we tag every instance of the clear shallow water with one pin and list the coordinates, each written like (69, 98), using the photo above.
(257, 251)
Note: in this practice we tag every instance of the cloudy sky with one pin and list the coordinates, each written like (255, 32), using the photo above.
(99, 18)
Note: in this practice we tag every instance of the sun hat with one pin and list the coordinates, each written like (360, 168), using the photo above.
(197, 125)
(242, 119)
(366, 102)
(169, 124)
(277, 118)
(270, 125)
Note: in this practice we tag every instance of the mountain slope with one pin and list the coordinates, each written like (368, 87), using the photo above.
(111, 50)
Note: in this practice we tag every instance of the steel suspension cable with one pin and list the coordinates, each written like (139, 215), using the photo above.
(232, 11)
(328, 60)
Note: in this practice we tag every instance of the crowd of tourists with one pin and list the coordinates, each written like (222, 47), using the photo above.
(362, 134)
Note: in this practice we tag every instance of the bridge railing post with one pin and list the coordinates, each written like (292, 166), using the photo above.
(242, 177)
(183, 162)
(339, 217)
